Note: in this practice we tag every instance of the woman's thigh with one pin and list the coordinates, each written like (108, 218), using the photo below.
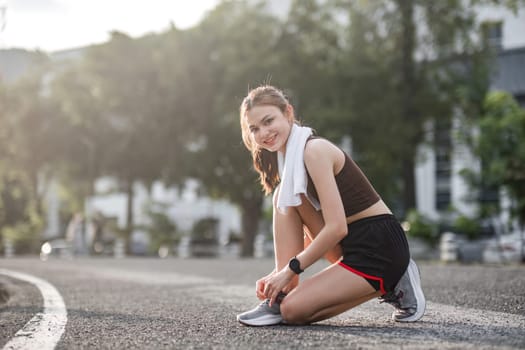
(326, 294)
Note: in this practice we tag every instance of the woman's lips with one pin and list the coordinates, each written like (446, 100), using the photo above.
(270, 141)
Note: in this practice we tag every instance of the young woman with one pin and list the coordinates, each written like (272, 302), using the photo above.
(323, 206)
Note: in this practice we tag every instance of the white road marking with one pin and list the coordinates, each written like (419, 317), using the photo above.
(45, 329)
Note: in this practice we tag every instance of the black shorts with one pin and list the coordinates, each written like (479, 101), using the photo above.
(376, 249)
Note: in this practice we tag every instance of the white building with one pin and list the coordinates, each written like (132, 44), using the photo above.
(184, 207)
(439, 184)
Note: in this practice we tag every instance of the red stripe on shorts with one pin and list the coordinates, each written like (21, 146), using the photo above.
(364, 275)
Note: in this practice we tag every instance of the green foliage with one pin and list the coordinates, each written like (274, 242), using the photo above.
(20, 222)
(502, 139)
(115, 107)
(501, 146)
(422, 227)
(467, 226)
(162, 230)
(25, 153)
(382, 84)
(26, 236)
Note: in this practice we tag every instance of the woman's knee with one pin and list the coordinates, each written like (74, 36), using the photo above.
(291, 312)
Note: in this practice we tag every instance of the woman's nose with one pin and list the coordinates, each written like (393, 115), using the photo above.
(265, 131)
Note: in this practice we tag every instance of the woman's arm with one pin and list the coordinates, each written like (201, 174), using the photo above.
(333, 255)
(323, 160)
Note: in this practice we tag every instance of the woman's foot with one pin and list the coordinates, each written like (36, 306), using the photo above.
(262, 315)
(407, 297)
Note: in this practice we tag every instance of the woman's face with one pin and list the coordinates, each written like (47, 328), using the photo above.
(269, 127)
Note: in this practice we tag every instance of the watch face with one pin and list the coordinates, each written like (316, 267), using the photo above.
(295, 265)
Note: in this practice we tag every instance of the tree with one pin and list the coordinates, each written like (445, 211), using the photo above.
(26, 123)
(110, 100)
(20, 221)
(501, 146)
(365, 96)
(33, 139)
(308, 49)
(85, 132)
(413, 62)
(235, 40)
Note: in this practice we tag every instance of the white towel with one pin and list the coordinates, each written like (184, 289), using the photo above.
(292, 170)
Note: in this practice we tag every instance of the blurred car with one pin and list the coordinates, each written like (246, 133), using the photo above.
(504, 249)
(56, 247)
(63, 248)
(197, 248)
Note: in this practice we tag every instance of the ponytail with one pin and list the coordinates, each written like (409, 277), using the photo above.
(265, 163)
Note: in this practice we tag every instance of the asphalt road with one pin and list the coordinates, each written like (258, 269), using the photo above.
(144, 303)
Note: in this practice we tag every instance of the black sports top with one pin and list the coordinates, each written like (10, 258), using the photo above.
(357, 193)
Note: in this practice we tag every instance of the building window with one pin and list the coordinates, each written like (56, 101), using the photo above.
(493, 33)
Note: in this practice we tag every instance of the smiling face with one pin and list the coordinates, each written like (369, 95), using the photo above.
(269, 127)
(266, 119)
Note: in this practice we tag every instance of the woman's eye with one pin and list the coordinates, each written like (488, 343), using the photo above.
(268, 121)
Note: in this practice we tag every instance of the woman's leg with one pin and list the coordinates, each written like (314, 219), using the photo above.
(328, 293)
(288, 238)
(294, 230)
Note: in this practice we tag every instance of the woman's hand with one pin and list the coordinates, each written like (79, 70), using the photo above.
(276, 283)
(261, 284)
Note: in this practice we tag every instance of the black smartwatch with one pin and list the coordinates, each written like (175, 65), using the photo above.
(295, 265)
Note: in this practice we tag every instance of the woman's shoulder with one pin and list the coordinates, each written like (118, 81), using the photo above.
(319, 147)
(319, 144)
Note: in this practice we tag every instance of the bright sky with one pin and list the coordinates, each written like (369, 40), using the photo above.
(52, 25)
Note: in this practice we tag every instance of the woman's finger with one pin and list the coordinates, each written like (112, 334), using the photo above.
(267, 290)
(259, 286)
(273, 297)
(259, 291)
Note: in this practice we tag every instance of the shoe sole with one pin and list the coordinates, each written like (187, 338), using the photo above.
(267, 320)
(415, 280)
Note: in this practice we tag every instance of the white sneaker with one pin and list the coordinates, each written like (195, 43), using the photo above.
(407, 297)
(262, 315)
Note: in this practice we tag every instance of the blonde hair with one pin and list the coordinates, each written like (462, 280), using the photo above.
(264, 161)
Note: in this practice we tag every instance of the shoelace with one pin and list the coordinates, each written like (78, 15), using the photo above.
(278, 300)
(392, 299)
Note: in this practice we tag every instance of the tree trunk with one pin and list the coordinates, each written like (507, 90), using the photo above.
(520, 194)
(129, 214)
(251, 213)
(409, 90)
(38, 197)
(409, 187)
(522, 247)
